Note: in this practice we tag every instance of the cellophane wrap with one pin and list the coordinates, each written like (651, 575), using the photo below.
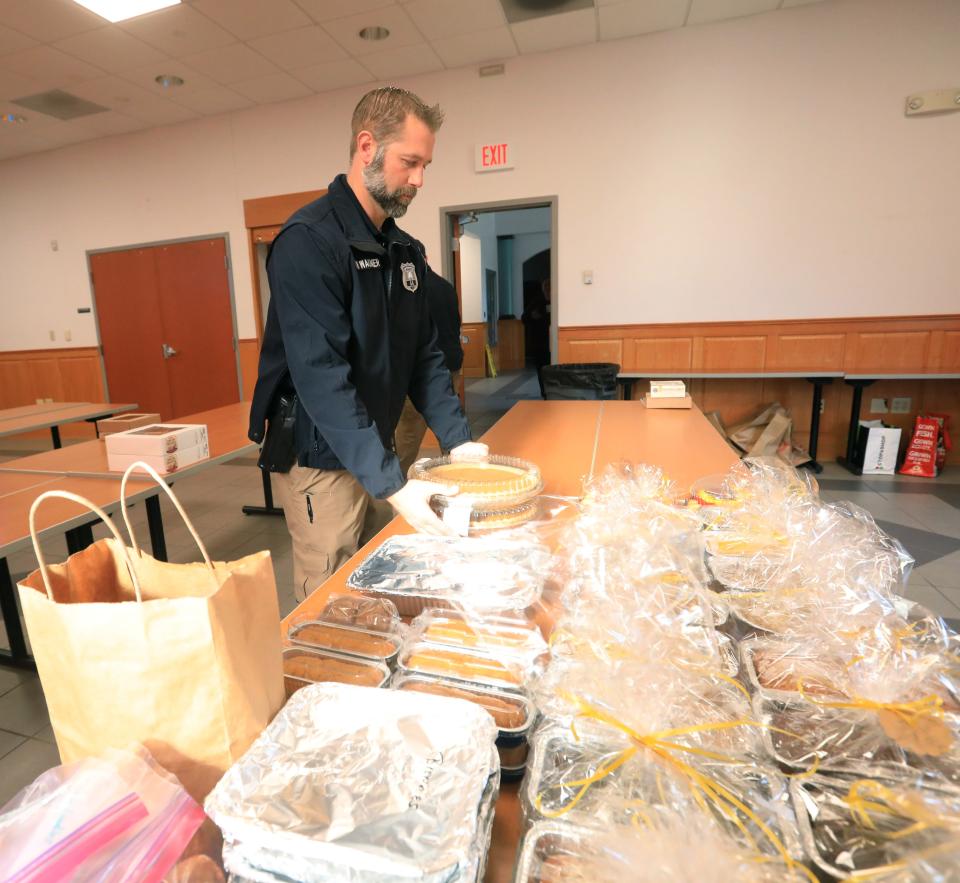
(355, 784)
(480, 574)
(903, 828)
(505, 636)
(664, 848)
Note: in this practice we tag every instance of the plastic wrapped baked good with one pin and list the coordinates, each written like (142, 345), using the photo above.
(302, 667)
(465, 664)
(359, 611)
(317, 635)
(355, 784)
(479, 574)
(494, 483)
(491, 634)
(889, 829)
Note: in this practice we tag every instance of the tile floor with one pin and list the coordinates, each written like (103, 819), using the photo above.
(923, 514)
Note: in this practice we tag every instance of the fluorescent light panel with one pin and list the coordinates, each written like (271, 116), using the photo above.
(121, 10)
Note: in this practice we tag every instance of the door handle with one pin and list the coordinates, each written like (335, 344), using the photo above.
(168, 351)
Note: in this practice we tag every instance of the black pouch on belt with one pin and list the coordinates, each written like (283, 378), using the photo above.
(279, 451)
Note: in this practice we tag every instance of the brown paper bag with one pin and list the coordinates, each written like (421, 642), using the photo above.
(183, 658)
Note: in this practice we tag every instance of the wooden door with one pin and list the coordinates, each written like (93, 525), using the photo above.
(197, 320)
(131, 333)
(166, 326)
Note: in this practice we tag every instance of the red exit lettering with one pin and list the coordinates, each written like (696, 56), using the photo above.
(494, 155)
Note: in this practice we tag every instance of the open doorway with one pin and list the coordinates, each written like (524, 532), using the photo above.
(502, 258)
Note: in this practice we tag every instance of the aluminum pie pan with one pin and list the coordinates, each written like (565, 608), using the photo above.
(393, 640)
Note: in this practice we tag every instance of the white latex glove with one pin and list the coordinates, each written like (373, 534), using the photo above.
(470, 451)
(412, 502)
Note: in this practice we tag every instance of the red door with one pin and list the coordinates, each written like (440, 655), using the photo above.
(166, 326)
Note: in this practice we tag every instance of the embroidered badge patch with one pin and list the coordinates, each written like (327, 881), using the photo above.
(410, 281)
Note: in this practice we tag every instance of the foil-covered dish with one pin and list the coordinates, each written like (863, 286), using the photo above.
(483, 574)
(353, 784)
(905, 828)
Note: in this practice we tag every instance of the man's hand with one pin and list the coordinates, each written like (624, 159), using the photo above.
(470, 451)
(412, 502)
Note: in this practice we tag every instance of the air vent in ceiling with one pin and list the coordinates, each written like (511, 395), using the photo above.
(524, 10)
(59, 104)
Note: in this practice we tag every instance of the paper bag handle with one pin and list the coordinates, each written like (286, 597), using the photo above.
(93, 507)
(146, 467)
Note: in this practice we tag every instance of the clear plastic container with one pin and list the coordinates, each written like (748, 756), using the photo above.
(372, 614)
(317, 635)
(463, 664)
(493, 634)
(495, 483)
(302, 666)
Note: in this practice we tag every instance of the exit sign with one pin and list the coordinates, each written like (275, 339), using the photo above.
(494, 157)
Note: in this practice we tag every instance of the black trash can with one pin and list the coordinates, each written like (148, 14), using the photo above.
(583, 380)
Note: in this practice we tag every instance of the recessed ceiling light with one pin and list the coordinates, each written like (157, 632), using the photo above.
(169, 81)
(12, 118)
(121, 10)
(374, 32)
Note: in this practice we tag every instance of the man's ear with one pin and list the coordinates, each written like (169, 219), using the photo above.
(366, 146)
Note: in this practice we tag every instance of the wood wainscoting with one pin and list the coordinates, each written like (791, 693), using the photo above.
(65, 375)
(249, 362)
(885, 345)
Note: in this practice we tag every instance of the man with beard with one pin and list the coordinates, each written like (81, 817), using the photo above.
(348, 337)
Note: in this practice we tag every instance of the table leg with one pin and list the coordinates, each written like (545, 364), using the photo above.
(158, 542)
(78, 538)
(267, 508)
(55, 435)
(626, 383)
(818, 383)
(10, 611)
(848, 461)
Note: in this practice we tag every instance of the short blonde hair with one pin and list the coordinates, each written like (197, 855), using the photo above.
(383, 112)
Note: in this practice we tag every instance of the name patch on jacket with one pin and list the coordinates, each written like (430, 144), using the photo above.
(368, 263)
(410, 281)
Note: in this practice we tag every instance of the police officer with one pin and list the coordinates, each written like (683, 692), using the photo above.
(348, 337)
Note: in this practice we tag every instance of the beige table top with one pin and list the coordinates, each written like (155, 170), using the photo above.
(55, 414)
(226, 427)
(14, 482)
(58, 516)
(569, 441)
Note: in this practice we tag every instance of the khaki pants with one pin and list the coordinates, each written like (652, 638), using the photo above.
(329, 516)
(411, 430)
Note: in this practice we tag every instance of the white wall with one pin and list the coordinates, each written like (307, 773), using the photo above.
(755, 168)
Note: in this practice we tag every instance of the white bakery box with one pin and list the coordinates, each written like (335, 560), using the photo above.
(166, 447)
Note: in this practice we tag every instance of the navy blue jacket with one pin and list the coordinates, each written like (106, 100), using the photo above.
(349, 328)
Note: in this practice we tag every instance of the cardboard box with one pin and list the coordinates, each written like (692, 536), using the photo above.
(653, 403)
(123, 422)
(667, 389)
(163, 463)
(158, 439)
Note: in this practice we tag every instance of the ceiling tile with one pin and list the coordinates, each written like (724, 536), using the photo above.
(438, 19)
(110, 48)
(325, 10)
(14, 41)
(159, 111)
(247, 19)
(178, 30)
(276, 87)
(49, 67)
(15, 86)
(35, 122)
(127, 98)
(48, 20)
(702, 11)
(219, 99)
(113, 123)
(527, 10)
(335, 75)
(146, 78)
(402, 31)
(475, 48)
(406, 61)
(300, 48)
(229, 64)
(627, 19)
(556, 31)
(788, 3)
(64, 133)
